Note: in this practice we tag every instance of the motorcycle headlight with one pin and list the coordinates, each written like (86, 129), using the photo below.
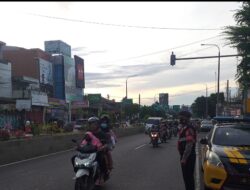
(77, 163)
(214, 160)
(87, 164)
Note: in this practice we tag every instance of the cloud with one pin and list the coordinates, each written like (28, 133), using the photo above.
(78, 48)
(83, 51)
(98, 84)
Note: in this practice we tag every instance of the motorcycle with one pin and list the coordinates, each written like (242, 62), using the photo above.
(163, 135)
(175, 131)
(154, 138)
(86, 167)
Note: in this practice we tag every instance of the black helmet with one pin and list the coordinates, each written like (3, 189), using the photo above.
(105, 118)
(185, 114)
(93, 120)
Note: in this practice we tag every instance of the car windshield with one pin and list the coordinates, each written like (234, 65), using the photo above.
(232, 136)
(153, 121)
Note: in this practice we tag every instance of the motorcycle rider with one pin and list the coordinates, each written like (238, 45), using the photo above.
(100, 140)
(154, 128)
(163, 131)
(106, 128)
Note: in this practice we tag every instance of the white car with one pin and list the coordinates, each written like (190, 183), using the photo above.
(152, 121)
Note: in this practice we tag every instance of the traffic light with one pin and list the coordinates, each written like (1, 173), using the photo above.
(172, 59)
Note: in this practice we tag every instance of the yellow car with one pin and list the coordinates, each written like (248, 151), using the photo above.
(225, 157)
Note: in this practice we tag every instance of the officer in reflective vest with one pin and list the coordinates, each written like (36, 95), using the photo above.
(186, 147)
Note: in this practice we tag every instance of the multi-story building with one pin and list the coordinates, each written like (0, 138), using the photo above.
(32, 80)
(163, 99)
(68, 75)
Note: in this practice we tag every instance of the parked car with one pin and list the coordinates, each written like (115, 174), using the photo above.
(81, 124)
(225, 156)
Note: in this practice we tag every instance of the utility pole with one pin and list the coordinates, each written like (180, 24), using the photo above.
(139, 100)
(139, 107)
(227, 97)
(126, 88)
(206, 103)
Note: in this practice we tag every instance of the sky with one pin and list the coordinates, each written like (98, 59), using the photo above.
(133, 41)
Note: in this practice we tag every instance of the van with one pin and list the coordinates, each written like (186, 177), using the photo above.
(152, 121)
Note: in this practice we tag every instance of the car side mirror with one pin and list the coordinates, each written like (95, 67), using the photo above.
(204, 141)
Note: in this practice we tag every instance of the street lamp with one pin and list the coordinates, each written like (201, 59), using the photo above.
(127, 84)
(218, 81)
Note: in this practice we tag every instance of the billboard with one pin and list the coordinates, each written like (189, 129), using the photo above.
(5, 80)
(79, 63)
(39, 98)
(80, 104)
(46, 72)
(71, 92)
(57, 47)
(23, 105)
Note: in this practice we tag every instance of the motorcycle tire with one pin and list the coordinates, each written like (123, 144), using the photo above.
(82, 183)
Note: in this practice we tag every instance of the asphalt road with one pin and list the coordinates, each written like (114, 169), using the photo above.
(137, 166)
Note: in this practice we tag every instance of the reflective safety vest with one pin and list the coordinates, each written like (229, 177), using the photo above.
(186, 134)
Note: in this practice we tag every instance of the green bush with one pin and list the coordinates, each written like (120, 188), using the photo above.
(35, 129)
(46, 128)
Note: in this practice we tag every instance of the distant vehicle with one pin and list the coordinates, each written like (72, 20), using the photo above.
(225, 156)
(152, 121)
(81, 124)
(206, 121)
(206, 127)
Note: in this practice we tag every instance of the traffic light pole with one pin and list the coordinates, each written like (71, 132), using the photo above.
(173, 60)
(207, 57)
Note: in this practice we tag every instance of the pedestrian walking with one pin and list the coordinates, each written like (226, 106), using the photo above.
(186, 147)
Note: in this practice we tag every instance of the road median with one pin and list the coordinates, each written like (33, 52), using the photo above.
(21, 149)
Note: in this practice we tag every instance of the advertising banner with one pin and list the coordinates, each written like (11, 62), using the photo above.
(80, 104)
(5, 80)
(39, 98)
(46, 72)
(79, 63)
(71, 92)
(23, 105)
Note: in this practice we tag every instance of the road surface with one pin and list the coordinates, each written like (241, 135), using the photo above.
(137, 166)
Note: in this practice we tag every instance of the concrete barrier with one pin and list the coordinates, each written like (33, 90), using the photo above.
(17, 150)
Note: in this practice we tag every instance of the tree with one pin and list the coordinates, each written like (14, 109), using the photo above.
(239, 37)
(199, 105)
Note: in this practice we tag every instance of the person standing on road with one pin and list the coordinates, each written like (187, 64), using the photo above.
(186, 147)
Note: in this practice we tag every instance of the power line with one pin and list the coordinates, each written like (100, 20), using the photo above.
(162, 51)
(122, 25)
(187, 93)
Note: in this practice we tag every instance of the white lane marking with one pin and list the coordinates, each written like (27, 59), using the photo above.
(140, 146)
(35, 158)
(197, 168)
